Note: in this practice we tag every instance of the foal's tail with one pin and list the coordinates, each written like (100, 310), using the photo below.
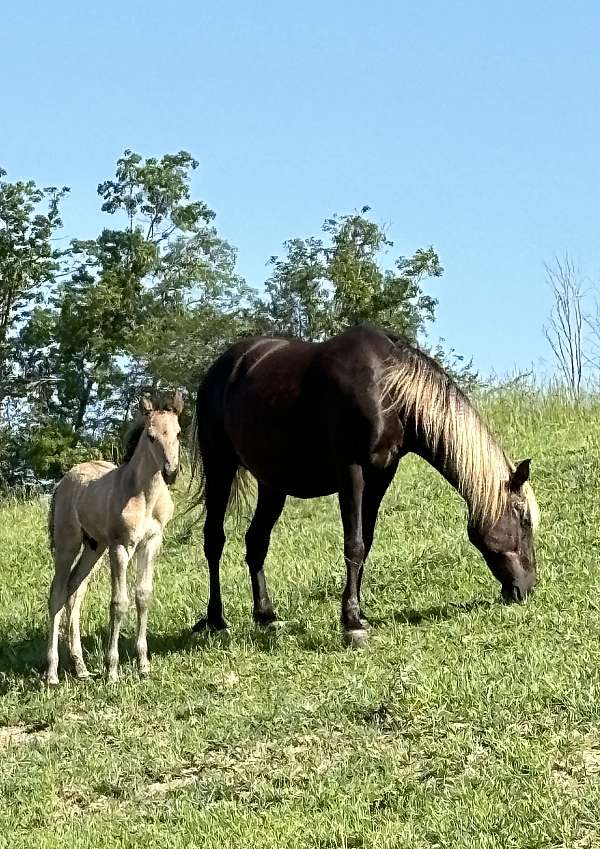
(241, 488)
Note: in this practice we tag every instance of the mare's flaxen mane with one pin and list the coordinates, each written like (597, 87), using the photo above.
(415, 384)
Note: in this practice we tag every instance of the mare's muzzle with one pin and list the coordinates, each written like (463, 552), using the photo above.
(519, 589)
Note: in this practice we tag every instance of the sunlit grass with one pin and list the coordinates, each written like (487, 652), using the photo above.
(465, 723)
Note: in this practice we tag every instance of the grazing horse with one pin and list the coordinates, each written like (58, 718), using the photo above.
(311, 419)
(124, 509)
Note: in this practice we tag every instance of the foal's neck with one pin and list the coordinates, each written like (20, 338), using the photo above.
(144, 474)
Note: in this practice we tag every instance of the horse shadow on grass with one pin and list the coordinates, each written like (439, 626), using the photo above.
(25, 658)
(441, 612)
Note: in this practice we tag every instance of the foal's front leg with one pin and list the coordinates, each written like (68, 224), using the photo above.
(143, 593)
(119, 558)
(350, 497)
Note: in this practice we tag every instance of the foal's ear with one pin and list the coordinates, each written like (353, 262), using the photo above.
(519, 476)
(145, 405)
(178, 403)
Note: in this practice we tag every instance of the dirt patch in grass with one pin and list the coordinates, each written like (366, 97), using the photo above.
(17, 735)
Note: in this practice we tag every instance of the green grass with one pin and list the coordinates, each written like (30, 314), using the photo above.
(465, 723)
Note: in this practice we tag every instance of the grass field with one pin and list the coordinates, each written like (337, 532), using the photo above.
(465, 723)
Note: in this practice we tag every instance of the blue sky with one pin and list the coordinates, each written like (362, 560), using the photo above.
(470, 126)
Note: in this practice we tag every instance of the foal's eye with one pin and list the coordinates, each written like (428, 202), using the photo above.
(151, 438)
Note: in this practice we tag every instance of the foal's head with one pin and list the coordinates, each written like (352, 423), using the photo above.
(162, 430)
(507, 543)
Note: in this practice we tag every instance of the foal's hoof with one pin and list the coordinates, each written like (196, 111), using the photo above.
(81, 671)
(52, 680)
(357, 638)
(82, 674)
(209, 624)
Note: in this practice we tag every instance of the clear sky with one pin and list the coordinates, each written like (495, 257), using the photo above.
(471, 126)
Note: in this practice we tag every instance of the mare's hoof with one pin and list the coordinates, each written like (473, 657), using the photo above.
(266, 617)
(277, 625)
(208, 624)
(357, 638)
(52, 680)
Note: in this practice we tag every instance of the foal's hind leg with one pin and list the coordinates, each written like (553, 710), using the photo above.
(67, 549)
(77, 588)
(74, 608)
(217, 489)
(268, 510)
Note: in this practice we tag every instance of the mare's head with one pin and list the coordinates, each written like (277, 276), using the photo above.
(507, 542)
(162, 431)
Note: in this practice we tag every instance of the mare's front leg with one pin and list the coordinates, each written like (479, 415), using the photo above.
(119, 558)
(143, 593)
(350, 498)
(268, 509)
(377, 481)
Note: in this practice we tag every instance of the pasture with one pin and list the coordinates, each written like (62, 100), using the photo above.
(465, 723)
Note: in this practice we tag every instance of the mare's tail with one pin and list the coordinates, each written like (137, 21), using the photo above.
(241, 489)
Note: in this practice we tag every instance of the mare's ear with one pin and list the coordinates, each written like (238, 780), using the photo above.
(178, 403)
(519, 476)
(145, 405)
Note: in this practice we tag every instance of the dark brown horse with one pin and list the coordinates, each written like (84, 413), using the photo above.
(311, 419)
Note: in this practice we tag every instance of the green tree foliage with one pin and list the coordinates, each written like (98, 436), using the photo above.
(139, 301)
(324, 285)
(151, 301)
(29, 218)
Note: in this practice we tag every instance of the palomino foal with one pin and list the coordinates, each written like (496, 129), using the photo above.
(124, 509)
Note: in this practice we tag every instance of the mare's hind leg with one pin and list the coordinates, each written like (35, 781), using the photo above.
(218, 482)
(268, 510)
(77, 588)
(66, 550)
(351, 499)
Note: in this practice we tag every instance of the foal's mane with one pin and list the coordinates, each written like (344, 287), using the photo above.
(451, 427)
(138, 425)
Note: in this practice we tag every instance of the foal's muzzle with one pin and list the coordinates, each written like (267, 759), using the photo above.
(169, 474)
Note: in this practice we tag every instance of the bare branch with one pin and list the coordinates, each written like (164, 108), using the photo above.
(564, 330)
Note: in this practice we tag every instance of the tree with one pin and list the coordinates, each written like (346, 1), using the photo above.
(29, 218)
(137, 303)
(323, 286)
(564, 330)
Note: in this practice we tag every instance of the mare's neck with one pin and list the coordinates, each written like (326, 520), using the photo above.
(436, 457)
(459, 472)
